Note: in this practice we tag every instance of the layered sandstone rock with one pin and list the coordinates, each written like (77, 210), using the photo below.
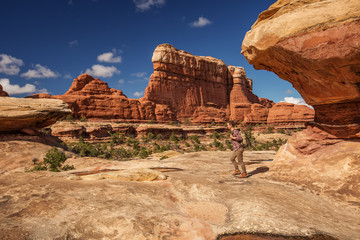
(29, 115)
(2, 92)
(315, 46)
(317, 52)
(202, 88)
(285, 114)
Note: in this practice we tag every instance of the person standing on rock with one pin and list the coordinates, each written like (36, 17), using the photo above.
(238, 151)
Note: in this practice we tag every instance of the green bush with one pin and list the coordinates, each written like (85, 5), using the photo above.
(159, 137)
(83, 119)
(164, 157)
(53, 161)
(144, 153)
(174, 138)
(116, 137)
(281, 131)
(187, 121)
(195, 139)
(152, 121)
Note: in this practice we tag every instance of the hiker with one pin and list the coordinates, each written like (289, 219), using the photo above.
(238, 151)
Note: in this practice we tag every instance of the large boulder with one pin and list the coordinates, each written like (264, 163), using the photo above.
(315, 46)
(30, 115)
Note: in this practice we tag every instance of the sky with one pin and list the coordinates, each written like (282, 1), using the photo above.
(45, 44)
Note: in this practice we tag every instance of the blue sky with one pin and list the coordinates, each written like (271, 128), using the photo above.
(45, 44)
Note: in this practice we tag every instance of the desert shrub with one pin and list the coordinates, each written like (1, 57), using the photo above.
(164, 157)
(194, 139)
(85, 149)
(53, 161)
(281, 131)
(144, 152)
(269, 130)
(152, 121)
(187, 144)
(187, 121)
(83, 119)
(116, 137)
(123, 153)
(174, 138)
(215, 135)
(69, 117)
(196, 147)
(159, 137)
(156, 148)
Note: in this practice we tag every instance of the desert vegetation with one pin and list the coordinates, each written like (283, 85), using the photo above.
(121, 146)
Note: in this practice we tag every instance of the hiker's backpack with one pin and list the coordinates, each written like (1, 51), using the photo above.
(246, 141)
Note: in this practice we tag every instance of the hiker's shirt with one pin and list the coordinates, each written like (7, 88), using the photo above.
(236, 143)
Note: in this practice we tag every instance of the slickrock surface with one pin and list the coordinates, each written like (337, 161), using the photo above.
(2, 92)
(198, 200)
(29, 115)
(315, 46)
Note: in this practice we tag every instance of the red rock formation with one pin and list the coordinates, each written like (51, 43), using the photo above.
(201, 89)
(2, 92)
(290, 115)
(318, 53)
(315, 46)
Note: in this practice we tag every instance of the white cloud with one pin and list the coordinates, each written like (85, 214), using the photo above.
(14, 89)
(67, 76)
(297, 101)
(201, 22)
(73, 43)
(138, 94)
(121, 81)
(10, 65)
(109, 57)
(143, 5)
(139, 74)
(98, 70)
(39, 72)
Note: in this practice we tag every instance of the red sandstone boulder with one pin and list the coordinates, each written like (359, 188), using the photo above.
(2, 92)
(315, 46)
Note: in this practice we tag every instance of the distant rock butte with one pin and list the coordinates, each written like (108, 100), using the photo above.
(2, 92)
(182, 86)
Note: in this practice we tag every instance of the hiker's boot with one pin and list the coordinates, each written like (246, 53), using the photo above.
(236, 172)
(243, 175)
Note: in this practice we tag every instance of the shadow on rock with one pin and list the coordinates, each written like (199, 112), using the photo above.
(258, 170)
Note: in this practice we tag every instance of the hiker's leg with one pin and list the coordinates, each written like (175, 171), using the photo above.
(239, 155)
(232, 159)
